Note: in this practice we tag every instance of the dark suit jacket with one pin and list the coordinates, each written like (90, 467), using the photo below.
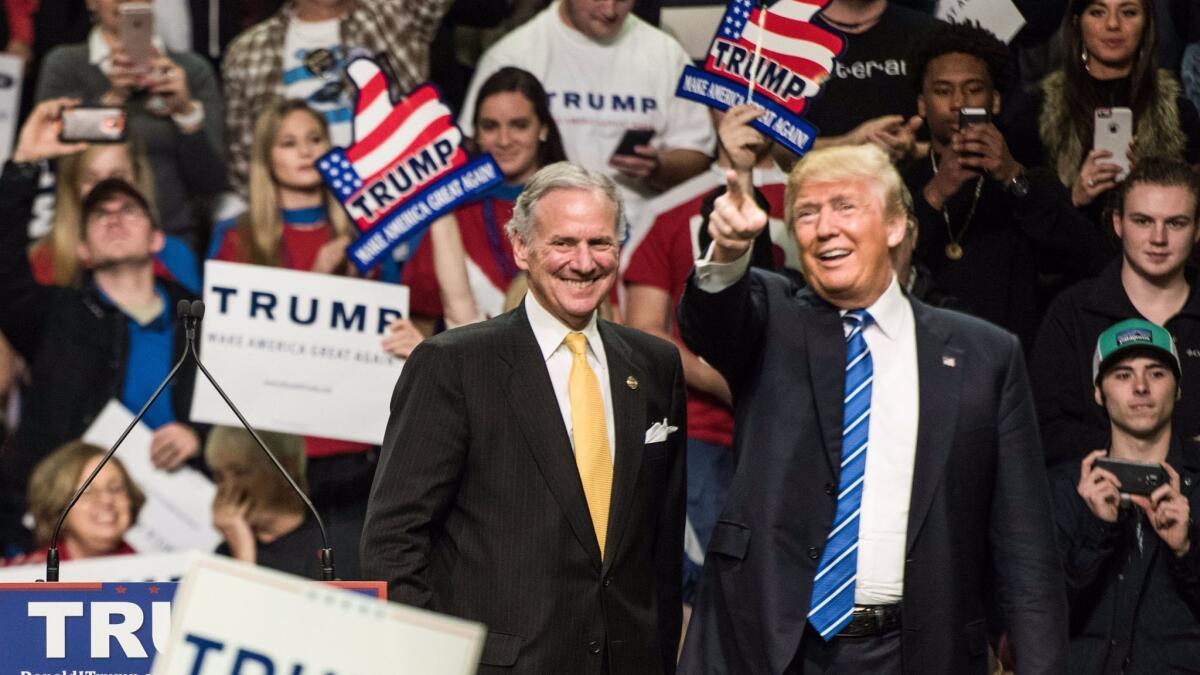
(979, 496)
(477, 508)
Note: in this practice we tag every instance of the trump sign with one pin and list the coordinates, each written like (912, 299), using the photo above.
(405, 168)
(774, 58)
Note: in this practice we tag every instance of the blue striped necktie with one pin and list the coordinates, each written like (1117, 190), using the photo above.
(833, 587)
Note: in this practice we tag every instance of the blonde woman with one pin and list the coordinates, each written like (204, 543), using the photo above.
(55, 257)
(104, 513)
(295, 223)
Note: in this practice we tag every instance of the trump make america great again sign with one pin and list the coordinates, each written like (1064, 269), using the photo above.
(405, 168)
(772, 57)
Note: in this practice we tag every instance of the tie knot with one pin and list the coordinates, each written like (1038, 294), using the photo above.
(857, 317)
(577, 343)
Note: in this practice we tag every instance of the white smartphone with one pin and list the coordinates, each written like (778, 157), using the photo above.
(1113, 131)
(136, 30)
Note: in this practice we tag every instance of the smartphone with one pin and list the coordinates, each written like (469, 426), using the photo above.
(1113, 131)
(92, 125)
(633, 138)
(969, 116)
(1136, 478)
(136, 30)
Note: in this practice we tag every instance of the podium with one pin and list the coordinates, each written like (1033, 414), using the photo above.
(97, 627)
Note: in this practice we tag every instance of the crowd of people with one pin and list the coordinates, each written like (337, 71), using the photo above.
(954, 211)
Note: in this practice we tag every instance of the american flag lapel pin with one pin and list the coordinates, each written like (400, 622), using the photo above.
(949, 361)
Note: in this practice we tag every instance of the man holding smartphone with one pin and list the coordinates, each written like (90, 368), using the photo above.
(1133, 574)
(984, 233)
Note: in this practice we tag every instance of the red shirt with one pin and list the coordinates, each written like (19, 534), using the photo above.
(488, 250)
(663, 259)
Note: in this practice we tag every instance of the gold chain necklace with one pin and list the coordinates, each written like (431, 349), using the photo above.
(954, 249)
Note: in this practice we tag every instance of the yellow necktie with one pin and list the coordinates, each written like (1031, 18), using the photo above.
(591, 436)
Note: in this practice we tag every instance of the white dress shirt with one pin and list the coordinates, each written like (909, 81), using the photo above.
(891, 434)
(550, 333)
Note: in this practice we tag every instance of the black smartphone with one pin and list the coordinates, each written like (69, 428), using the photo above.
(92, 124)
(632, 139)
(1137, 478)
(969, 116)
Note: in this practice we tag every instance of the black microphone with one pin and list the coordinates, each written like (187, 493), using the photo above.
(183, 310)
(195, 312)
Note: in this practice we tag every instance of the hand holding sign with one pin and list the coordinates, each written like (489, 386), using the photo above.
(735, 221)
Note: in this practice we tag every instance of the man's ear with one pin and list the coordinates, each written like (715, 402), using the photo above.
(921, 105)
(520, 251)
(84, 254)
(897, 228)
(1098, 395)
(157, 240)
(995, 104)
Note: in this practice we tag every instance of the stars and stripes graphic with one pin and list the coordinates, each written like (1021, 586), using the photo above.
(785, 41)
(404, 146)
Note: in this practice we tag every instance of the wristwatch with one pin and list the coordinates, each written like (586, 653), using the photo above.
(1018, 185)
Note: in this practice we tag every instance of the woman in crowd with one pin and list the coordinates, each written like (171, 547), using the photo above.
(463, 268)
(55, 258)
(1110, 61)
(261, 517)
(173, 105)
(295, 223)
(97, 524)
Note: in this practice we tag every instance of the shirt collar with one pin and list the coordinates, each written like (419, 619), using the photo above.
(888, 310)
(550, 332)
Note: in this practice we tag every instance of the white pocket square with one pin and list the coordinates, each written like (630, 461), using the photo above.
(659, 431)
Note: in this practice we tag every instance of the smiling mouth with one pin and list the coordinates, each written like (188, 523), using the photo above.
(833, 254)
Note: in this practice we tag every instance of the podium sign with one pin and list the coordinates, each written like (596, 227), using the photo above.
(95, 627)
(231, 617)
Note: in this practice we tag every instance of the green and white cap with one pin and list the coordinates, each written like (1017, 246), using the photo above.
(1134, 337)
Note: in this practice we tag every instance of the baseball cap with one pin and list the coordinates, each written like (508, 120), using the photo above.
(1134, 337)
(106, 190)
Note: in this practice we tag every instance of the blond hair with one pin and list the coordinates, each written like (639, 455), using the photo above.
(55, 479)
(237, 443)
(260, 229)
(850, 163)
(66, 228)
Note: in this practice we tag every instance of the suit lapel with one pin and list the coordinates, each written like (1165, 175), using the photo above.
(629, 415)
(535, 407)
(826, 350)
(938, 366)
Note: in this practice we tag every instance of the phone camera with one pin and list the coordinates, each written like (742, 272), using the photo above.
(1152, 479)
(1114, 128)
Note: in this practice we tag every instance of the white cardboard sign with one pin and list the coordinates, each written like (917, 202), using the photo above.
(231, 617)
(298, 352)
(999, 16)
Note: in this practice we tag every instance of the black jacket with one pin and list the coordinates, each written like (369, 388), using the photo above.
(1071, 422)
(1133, 610)
(75, 345)
(1007, 244)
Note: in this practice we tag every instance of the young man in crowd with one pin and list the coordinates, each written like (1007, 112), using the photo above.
(984, 234)
(112, 338)
(607, 72)
(1132, 566)
(674, 238)
(1155, 218)
(300, 52)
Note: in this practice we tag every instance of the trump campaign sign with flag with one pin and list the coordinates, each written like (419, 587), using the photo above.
(405, 168)
(774, 58)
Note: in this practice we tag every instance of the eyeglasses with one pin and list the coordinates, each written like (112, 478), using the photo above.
(95, 492)
(126, 213)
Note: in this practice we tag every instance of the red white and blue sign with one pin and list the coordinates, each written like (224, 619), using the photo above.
(405, 168)
(775, 58)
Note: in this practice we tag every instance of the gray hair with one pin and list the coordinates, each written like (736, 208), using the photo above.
(562, 176)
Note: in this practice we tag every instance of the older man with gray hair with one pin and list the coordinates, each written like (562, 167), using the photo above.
(532, 475)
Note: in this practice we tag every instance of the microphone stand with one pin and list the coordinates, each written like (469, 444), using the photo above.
(195, 314)
(191, 313)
